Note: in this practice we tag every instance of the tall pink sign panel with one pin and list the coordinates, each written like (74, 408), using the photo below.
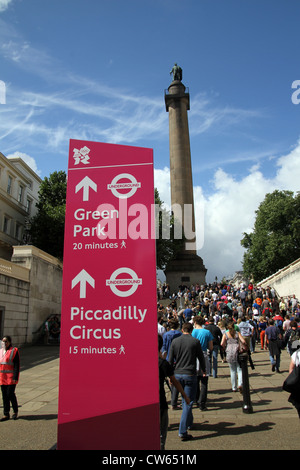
(108, 384)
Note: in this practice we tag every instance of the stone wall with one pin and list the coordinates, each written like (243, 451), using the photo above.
(286, 281)
(14, 301)
(30, 291)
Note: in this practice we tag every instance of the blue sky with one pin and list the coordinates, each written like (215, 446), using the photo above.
(97, 70)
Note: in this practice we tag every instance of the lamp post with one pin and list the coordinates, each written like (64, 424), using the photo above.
(247, 406)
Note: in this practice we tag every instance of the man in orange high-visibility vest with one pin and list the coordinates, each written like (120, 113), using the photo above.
(9, 377)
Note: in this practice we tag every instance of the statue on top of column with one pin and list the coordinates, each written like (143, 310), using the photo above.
(177, 72)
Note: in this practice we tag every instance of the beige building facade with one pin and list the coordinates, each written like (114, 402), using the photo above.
(30, 292)
(30, 279)
(286, 281)
(19, 187)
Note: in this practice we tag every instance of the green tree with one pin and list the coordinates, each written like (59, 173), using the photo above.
(275, 239)
(47, 227)
(166, 248)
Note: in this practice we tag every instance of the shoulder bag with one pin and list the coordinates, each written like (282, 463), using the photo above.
(292, 382)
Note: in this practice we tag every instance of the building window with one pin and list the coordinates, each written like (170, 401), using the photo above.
(6, 225)
(20, 195)
(18, 233)
(28, 206)
(9, 184)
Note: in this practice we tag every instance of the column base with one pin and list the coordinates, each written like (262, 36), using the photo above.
(185, 269)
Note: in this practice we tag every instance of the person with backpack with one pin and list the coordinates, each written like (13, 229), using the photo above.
(230, 343)
(267, 312)
(292, 337)
(278, 319)
(274, 336)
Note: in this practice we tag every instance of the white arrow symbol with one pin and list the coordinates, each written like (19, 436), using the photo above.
(86, 183)
(83, 278)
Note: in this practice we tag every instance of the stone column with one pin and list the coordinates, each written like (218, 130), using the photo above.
(177, 104)
(188, 267)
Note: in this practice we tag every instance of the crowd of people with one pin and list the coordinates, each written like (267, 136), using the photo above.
(226, 321)
(198, 324)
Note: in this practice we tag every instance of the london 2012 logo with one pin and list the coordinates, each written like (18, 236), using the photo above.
(81, 156)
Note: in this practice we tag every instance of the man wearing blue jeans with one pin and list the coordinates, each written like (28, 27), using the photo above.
(183, 355)
(273, 334)
(213, 356)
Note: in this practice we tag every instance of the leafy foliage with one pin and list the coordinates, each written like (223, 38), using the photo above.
(275, 240)
(47, 227)
(166, 248)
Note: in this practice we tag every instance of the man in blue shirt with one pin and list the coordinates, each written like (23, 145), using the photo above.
(246, 330)
(188, 313)
(167, 340)
(169, 336)
(206, 340)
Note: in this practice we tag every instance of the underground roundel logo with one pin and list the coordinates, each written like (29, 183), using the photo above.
(115, 187)
(116, 283)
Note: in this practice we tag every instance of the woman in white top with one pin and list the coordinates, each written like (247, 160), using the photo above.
(295, 360)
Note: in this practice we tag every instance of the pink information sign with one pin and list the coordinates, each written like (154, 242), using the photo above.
(108, 383)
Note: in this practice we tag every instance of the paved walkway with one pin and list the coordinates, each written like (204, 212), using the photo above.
(37, 393)
(274, 423)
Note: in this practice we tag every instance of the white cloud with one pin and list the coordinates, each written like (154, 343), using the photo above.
(30, 161)
(98, 113)
(117, 118)
(288, 174)
(162, 183)
(230, 210)
(4, 4)
(205, 114)
(15, 48)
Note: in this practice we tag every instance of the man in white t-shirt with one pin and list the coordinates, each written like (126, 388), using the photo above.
(287, 323)
(256, 315)
(160, 328)
(294, 302)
